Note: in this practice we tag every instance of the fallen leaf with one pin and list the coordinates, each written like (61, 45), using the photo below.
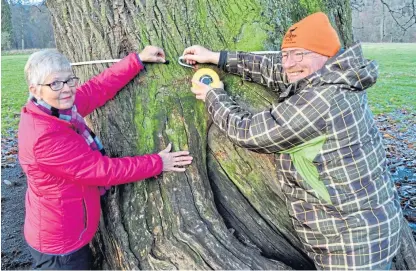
(7, 182)
(388, 136)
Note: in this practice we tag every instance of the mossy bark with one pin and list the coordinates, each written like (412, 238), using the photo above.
(226, 211)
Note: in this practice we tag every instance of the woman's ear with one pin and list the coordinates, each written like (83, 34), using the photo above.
(35, 91)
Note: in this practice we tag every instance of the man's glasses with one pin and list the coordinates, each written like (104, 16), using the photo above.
(296, 56)
(58, 85)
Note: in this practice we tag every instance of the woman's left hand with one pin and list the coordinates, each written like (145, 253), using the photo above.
(200, 89)
(152, 54)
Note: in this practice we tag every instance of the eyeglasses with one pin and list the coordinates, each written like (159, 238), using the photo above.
(58, 85)
(297, 56)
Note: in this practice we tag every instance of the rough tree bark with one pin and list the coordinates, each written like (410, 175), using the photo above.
(226, 211)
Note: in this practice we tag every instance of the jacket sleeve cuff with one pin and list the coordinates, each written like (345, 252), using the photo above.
(212, 95)
(158, 164)
(222, 63)
(140, 63)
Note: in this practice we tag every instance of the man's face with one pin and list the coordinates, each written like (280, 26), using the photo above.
(299, 63)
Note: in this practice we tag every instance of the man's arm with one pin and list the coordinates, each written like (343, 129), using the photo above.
(298, 119)
(261, 69)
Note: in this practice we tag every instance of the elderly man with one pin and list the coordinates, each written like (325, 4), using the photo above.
(330, 159)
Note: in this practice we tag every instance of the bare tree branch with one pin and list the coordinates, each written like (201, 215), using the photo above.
(395, 14)
(357, 5)
(40, 5)
(38, 8)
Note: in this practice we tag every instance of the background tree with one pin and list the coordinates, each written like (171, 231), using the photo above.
(404, 15)
(384, 20)
(226, 211)
(6, 25)
(39, 31)
(31, 24)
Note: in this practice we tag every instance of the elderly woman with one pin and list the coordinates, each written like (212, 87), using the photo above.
(65, 162)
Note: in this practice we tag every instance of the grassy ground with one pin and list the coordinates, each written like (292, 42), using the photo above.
(395, 89)
(396, 85)
(19, 52)
(14, 91)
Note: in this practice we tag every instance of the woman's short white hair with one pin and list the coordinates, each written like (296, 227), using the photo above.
(43, 63)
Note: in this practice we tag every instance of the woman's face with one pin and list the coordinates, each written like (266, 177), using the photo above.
(63, 98)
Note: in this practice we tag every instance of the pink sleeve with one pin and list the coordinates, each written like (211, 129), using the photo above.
(103, 87)
(67, 155)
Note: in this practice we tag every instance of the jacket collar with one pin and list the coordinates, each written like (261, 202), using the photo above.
(31, 108)
(348, 67)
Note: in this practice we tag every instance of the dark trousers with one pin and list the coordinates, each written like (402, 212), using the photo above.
(77, 260)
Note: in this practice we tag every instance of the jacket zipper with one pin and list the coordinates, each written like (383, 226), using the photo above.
(85, 213)
(84, 207)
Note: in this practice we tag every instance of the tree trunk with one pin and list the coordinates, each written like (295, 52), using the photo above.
(226, 211)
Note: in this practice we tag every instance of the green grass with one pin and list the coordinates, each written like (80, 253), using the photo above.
(396, 84)
(14, 90)
(19, 52)
(395, 88)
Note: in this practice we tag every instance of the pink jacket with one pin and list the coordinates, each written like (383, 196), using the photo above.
(63, 172)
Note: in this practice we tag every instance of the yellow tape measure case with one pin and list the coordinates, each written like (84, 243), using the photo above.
(208, 77)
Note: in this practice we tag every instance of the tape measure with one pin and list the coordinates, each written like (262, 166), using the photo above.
(208, 77)
(205, 75)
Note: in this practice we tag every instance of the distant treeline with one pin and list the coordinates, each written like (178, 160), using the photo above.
(26, 26)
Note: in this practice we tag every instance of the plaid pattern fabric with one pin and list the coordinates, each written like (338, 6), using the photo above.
(360, 228)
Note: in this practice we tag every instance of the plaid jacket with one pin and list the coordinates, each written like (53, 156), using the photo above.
(330, 159)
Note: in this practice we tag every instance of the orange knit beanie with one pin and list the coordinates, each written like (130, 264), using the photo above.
(313, 33)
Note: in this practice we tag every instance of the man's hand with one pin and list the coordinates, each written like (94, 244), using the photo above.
(198, 54)
(173, 159)
(152, 54)
(200, 89)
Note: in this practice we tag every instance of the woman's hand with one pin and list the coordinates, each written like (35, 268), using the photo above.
(152, 54)
(200, 89)
(173, 159)
(198, 54)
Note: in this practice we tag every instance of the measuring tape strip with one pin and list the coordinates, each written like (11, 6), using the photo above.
(104, 61)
